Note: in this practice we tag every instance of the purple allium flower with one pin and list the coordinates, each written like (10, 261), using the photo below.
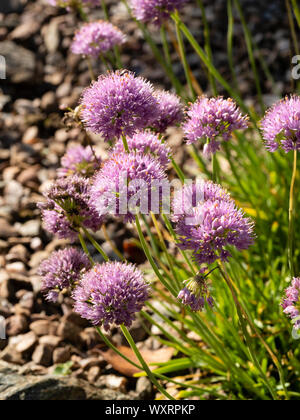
(155, 11)
(128, 183)
(170, 111)
(214, 225)
(146, 142)
(209, 119)
(96, 38)
(68, 207)
(281, 125)
(79, 160)
(195, 293)
(291, 304)
(62, 270)
(190, 196)
(111, 293)
(118, 104)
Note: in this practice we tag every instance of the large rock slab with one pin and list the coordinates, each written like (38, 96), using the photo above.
(16, 387)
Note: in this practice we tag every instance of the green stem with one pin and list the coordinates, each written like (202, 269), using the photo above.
(253, 328)
(91, 70)
(96, 245)
(248, 339)
(184, 61)
(215, 168)
(178, 170)
(151, 376)
(296, 11)
(150, 259)
(292, 205)
(165, 44)
(125, 143)
(84, 247)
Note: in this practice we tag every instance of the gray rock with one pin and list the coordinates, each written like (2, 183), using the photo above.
(15, 387)
(20, 62)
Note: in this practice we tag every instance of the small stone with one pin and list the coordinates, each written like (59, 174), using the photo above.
(50, 340)
(16, 325)
(30, 134)
(13, 192)
(29, 175)
(11, 283)
(69, 332)
(16, 267)
(94, 374)
(115, 382)
(6, 229)
(27, 301)
(43, 355)
(51, 36)
(61, 355)
(144, 388)
(17, 252)
(90, 338)
(27, 343)
(37, 258)
(43, 327)
(48, 102)
(11, 355)
(10, 173)
(30, 228)
(36, 244)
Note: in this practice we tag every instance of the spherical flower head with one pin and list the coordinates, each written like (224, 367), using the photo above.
(96, 38)
(62, 271)
(68, 207)
(155, 11)
(111, 294)
(195, 294)
(215, 225)
(118, 104)
(281, 125)
(191, 195)
(80, 161)
(210, 119)
(170, 111)
(146, 142)
(128, 184)
(291, 302)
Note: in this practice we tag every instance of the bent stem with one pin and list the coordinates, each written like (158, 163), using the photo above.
(90, 67)
(150, 375)
(84, 247)
(96, 245)
(292, 204)
(150, 258)
(110, 242)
